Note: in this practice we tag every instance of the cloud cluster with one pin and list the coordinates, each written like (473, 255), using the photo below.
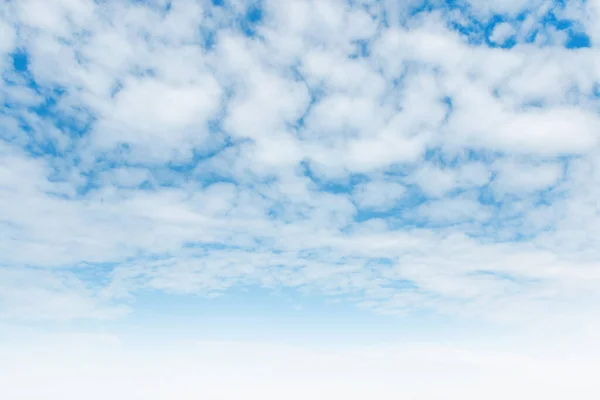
(409, 158)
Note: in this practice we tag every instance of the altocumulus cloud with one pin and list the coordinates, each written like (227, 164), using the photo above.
(407, 157)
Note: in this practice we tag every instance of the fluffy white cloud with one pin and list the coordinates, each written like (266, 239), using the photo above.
(518, 177)
(502, 32)
(8, 37)
(378, 195)
(43, 295)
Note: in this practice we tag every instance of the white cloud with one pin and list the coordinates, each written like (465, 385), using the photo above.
(502, 32)
(159, 118)
(125, 177)
(378, 195)
(44, 295)
(590, 15)
(435, 181)
(520, 177)
(462, 209)
(8, 36)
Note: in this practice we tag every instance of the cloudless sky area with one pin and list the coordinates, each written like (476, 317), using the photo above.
(299, 199)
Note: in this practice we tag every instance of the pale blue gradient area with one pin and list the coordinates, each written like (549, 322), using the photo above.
(283, 316)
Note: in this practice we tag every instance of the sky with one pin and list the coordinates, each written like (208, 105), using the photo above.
(231, 199)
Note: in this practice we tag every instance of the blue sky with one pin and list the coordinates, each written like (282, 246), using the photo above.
(310, 172)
